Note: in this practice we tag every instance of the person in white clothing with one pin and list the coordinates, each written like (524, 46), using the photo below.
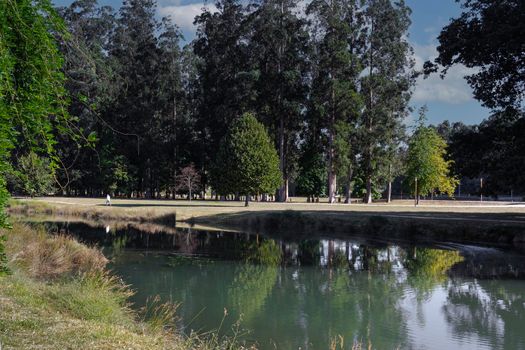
(108, 200)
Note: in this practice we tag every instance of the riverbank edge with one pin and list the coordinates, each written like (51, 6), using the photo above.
(492, 229)
(81, 304)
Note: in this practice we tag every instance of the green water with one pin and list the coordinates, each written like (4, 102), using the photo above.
(292, 295)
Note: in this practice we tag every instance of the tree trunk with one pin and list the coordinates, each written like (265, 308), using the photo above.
(368, 171)
(174, 114)
(389, 194)
(348, 199)
(332, 180)
(368, 198)
(283, 190)
(247, 200)
(332, 186)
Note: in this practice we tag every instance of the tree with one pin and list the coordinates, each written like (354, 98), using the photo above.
(34, 175)
(491, 150)
(334, 96)
(428, 170)
(32, 96)
(173, 99)
(487, 36)
(33, 100)
(135, 52)
(279, 49)
(247, 162)
(386, 87)
(90, 86)
(188, 180)
(225, 74)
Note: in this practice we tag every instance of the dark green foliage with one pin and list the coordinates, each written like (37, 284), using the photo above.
(90, 85)
(31, 83)
(34, 175)
(488, 36)
(131, 84)
(247, 162)
(225, 73)
(280, 48)
(335, 100)
(312, 174)
(492, 150)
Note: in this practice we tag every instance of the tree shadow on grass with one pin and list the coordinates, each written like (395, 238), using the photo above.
(174, 205)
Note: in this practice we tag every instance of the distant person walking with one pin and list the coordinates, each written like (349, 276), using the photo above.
(108, 200)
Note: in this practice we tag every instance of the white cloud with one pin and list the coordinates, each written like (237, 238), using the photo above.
(453, 89)
(184, 15)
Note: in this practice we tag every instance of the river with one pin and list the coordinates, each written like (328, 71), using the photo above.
(286, 294)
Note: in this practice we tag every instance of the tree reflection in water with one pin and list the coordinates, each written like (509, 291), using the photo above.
(488, 310)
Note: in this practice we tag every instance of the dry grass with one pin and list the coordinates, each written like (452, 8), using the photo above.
(47, 257)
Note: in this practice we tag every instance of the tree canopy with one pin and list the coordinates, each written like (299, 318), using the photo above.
(487, 36)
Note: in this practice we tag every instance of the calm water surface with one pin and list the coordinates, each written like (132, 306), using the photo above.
(293, 295)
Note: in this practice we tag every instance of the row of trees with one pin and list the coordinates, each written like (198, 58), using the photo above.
(330, 85)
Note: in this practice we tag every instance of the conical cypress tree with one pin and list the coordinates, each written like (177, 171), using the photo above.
(247, 162)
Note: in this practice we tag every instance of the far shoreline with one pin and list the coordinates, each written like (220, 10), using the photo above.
(496, 223)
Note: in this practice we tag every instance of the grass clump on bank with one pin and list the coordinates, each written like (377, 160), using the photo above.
(90, 212)
(60, 296)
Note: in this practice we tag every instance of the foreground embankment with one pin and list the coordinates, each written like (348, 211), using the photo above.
(59, 295)
(434, 221)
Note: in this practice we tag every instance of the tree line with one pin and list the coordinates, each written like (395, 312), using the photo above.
(331, 84)
(153, 115)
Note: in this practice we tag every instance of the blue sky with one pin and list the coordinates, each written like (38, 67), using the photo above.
(450, 98)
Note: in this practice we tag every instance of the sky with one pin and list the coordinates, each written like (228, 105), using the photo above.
(447, 99)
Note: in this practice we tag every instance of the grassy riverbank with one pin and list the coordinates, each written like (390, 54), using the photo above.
(501, 223)
(60, 296)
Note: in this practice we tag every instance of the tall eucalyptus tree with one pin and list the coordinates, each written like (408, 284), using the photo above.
(386, 87)
(224, 72)
(280, 48)
(335, 96)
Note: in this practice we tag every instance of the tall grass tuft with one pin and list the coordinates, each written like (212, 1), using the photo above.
(158, 315)
(48, 257)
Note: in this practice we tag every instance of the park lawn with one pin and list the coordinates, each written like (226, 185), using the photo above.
(209, 212)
